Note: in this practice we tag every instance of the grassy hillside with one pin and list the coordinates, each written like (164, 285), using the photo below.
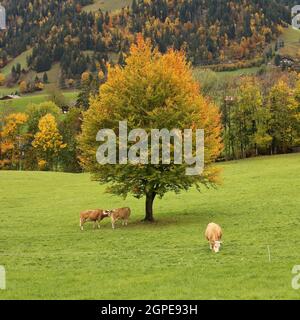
(291, 39)
(47, 256)
(225, 75)
(21, 104)
(4, 90)
(107, 5)
(19, 59)
(53, 75)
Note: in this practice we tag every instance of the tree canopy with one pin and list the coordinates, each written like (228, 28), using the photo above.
(152, 91)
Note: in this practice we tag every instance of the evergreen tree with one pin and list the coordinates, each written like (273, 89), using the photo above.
(277, 60)
(121, 59)
(45, 78)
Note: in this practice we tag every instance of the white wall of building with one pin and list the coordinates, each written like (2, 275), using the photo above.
(2, 18)
(295, 10)
(296, 21)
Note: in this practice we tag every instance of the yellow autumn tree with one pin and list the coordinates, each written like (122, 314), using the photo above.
(12, 138)
(70, 82)
(284, 121)
(23, 87)
(152, 91)
(48, 143)
(2, 79)
(85, 77)
(101, 75)
(39, 86)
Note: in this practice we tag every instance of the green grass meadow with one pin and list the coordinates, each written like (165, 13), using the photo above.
(291, 39)
(107, 5)
(224, 75)
(21, 104)
(22, 59)
(46, 256)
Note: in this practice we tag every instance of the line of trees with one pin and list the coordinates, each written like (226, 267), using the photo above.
(259, 120)
(40, 139)
(259, 114)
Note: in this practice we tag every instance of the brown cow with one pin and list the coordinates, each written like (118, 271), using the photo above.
(93, 215)
(214, 234)
(119, 214)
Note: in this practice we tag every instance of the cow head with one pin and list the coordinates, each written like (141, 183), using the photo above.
(217, 246)
(107, 213)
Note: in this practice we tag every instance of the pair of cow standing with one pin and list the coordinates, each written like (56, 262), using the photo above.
(213, 232)
(98, 215)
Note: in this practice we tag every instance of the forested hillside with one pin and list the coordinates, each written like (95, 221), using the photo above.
(211, 31)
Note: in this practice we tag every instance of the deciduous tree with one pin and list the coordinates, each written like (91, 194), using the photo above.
(12, 136)
(48, 141)
(152, 91)
(284, 121)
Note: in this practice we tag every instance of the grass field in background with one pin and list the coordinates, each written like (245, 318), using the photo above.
(107, 5)
(53, 76)
(225, 75)
(46, 256)
(291, 39)
(19, 59)
(4, 90)
(20, 105)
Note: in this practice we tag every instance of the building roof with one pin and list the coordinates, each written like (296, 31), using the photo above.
(296, 16)
(10, 96)
(287, 59)
(295, 21)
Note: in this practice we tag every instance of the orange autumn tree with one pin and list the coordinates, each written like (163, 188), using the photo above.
(2, 79)
(12, 136)
(152, 91)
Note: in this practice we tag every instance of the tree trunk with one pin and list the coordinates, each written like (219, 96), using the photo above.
(149, 206)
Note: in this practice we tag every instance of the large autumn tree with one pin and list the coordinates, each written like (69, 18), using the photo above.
(152, 91)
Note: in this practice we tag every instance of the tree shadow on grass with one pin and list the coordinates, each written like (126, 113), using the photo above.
(172, 219)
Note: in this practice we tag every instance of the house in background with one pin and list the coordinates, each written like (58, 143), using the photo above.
(296, 21)
(295, 10)
(10, 97)
(296, 17)
(287, 62)
(2, 18)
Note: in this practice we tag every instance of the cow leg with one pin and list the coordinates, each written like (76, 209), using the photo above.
(126, 222)
(81, 224)
(113, 224)
(98, 224)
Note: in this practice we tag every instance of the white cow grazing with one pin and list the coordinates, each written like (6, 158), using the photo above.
(214, 234)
